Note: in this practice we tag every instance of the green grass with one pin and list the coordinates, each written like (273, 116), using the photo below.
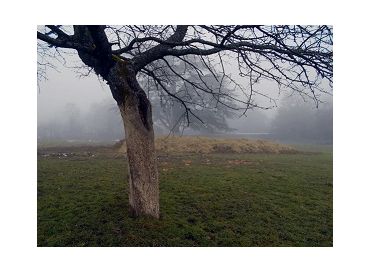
(215, 200)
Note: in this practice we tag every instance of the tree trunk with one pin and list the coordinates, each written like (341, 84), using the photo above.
(136, 113)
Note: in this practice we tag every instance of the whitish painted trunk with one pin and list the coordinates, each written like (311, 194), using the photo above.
(142, 161)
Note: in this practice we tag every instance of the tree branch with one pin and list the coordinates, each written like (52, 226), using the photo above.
(63, 42)
(160, 50)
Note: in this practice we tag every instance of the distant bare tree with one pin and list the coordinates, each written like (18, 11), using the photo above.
(208, 115)
(297, 58)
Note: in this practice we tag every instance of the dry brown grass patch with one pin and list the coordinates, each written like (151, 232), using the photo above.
(206, 145)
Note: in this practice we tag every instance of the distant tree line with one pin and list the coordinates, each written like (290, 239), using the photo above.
(102, 122)
(297, 121)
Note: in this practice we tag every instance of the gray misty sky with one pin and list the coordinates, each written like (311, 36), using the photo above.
(67, 86)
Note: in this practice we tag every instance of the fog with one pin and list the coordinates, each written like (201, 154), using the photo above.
(75, 107)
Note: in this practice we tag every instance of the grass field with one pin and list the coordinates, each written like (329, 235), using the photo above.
(206, 200)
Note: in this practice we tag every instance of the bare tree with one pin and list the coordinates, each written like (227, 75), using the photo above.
(211, 115)
(297, 58)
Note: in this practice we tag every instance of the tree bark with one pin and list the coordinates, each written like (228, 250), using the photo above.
(136, 113)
